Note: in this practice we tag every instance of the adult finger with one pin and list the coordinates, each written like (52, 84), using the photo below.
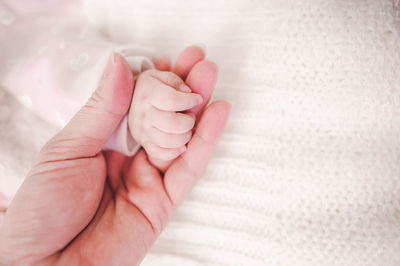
(162, 63)
(185, 170)
(201, 80)
(189, 57)
(88, 131)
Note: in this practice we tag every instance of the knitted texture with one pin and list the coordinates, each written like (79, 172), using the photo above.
(308, 170)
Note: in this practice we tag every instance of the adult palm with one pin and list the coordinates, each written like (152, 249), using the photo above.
(80, 205)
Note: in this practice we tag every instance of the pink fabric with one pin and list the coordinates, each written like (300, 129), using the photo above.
(53, 61)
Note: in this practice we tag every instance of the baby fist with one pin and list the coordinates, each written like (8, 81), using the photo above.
(155, 118)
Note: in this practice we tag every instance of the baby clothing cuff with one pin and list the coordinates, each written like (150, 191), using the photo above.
(121, 140)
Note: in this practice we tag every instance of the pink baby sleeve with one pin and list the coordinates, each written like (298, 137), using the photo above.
(54, 59)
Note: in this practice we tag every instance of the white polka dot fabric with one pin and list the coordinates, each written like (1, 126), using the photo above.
(64, 64)
(54, 59)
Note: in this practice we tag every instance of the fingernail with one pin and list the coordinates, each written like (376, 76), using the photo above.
(184, 88)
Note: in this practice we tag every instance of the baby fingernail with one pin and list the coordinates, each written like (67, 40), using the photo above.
(184, 88)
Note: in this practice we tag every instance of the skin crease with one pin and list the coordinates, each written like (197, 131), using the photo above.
(190, 59)
(155, 118)
(82, 206)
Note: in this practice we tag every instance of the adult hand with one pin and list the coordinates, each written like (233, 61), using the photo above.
(80, 205)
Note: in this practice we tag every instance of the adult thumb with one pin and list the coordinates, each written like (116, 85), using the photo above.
(88, 131)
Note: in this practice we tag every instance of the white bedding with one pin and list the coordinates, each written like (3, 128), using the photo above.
(308, 170)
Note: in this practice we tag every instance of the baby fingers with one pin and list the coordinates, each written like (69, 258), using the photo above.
(171, 141)
(169, 99)
(171, 122)
(160, 153)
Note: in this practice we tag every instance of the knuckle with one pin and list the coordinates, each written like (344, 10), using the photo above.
(97, 101)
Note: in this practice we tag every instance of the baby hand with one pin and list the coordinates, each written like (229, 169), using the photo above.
(155, 117)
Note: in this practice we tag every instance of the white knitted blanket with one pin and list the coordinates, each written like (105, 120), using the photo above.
(308, 170)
